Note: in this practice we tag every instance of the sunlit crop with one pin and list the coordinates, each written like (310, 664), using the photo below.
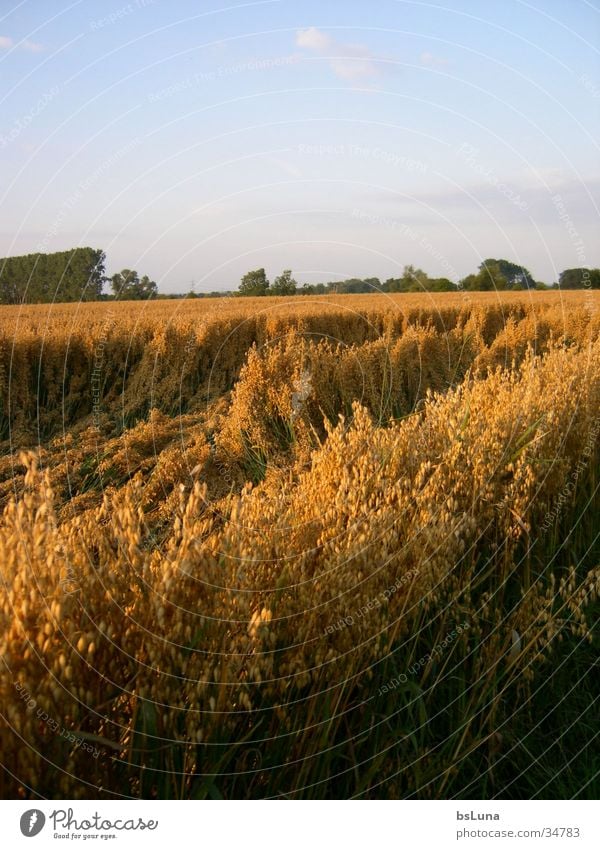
(257, 549)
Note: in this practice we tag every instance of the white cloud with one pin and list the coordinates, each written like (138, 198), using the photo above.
(313, 39)
(349, 62)
(6, 42)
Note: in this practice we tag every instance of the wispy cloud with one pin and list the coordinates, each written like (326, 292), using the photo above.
(430, 60)
(6, 42)
(349, 62)
(32, 46)
(578, 195)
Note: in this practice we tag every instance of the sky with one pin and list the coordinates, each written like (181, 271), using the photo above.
(194, 141)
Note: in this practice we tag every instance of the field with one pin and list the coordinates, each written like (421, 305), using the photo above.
(307, 547)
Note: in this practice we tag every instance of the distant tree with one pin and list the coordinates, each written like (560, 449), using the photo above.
(392, 284)
(147, 288)
(491, 278)
(352, 286)
(415, 278)
(373, 284)
(502, 274)
(579, 278)
(469, 282)
(412, 280)
(498, 275)
(127, 286)
(87, 265)
(284, 284)
(440, 284)
(515, 273)
(254, 283)
(75, 275)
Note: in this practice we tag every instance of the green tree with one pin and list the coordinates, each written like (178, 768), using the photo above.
(127, 286)
(75, 275)
(579, 278)
(83, 276)
(491, 278)
(415, 279)
(254, 283)
(470, 282)
(412, 280)
(284, 284)
(440, 284)
(351, 286)
(500, 274)
(373, 284)
(516, 275)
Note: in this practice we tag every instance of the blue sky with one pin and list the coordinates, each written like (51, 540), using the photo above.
(196, 140)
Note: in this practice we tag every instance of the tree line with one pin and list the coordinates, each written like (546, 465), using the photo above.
(64, 276)
(79, 275)
(492, 275)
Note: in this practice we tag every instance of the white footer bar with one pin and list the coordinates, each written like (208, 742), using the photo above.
(302, 825)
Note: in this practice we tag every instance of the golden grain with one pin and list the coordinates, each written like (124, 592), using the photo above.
(241, 554)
